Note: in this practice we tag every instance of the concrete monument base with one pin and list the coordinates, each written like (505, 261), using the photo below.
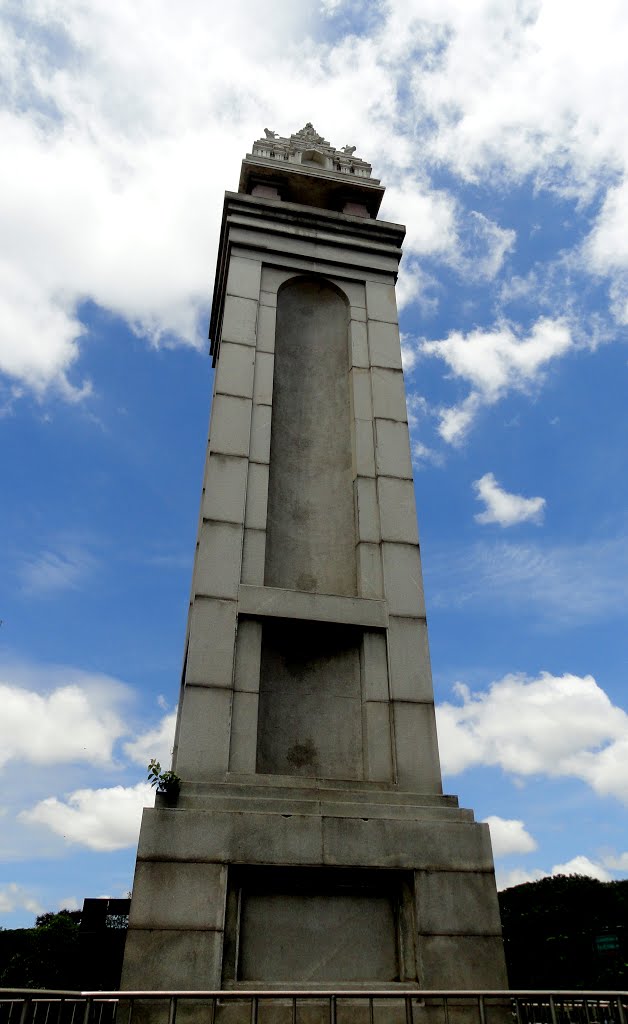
(253, 882)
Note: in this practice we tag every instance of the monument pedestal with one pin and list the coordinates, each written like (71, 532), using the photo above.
(302, 885)
(311, 844)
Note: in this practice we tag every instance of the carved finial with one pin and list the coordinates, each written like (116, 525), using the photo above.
(269, 134)
(310, 132)
(349, 150)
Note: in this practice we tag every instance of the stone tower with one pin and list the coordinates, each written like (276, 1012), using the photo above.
(311, 843)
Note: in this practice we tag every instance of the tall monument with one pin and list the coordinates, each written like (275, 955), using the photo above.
(311, 843)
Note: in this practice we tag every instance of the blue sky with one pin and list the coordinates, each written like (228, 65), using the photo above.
(499, 131)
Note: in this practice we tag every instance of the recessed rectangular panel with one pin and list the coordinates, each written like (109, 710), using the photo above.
(310, 543)
(310, 712)
(318, 926)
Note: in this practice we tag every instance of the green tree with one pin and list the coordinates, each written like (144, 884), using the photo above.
(568, 931)
(45, 956)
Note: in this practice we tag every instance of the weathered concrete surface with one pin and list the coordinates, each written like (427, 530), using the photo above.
(310, 716)
(430, 875)
(310, 541)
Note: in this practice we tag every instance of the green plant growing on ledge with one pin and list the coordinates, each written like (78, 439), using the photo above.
(166, 782)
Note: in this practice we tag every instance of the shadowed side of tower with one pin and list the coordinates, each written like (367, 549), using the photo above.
(311, 844)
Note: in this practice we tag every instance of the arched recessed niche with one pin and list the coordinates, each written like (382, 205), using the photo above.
(310, 542)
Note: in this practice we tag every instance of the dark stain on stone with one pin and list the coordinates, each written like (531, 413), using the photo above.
(302, 755)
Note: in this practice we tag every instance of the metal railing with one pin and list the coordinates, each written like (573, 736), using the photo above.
(387, 1006)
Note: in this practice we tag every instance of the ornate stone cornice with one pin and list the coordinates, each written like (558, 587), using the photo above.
(310, 149)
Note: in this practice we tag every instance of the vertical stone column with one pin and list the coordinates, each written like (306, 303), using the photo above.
(411, 694)
(233, 508)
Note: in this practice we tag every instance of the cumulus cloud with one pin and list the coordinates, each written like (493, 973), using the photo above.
(415, 285)
(506, 879)
(107, 194)
(618, 862)
(494, 363)
(76, 722)
(422, 455)
(509, 835)
(155, 743)
(606, 249)
(100, 819)
(582, 866)
(429, 216)
(519, 89)
(16, 897)
(558, 726)
(120, 149)
(579, 865)
(410, 350)
(504, 508)
(482, 247)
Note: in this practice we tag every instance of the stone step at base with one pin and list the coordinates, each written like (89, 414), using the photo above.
(327, 808)
(318, 791)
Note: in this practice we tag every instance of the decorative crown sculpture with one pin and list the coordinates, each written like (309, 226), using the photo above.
(307, 147)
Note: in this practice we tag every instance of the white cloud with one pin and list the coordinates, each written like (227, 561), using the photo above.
(101, 819)
(456, 421)
(482, 247)
(517, 876)
(410, 350)
(607, 246)
(553, 725)
(119, 158)
(582, 866)
(16, 897)
(579, 865)
(429, 216)
(494, 363)
(504, 508)
(538, 580)
(509, 835)
(619, 863)
(51, 571)
(48, 333)
(69, 903)
(606, 249)
(417, 286)
(124, 124)
(422, 454)
(76, 722)
(155, 743)
(523, 89)
(417, 408)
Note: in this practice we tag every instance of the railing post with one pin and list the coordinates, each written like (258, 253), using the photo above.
(482, 1009)
(620, 1011)
(332, 1010)
(26, 1005)
(408, 1002)
(172, 1010)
